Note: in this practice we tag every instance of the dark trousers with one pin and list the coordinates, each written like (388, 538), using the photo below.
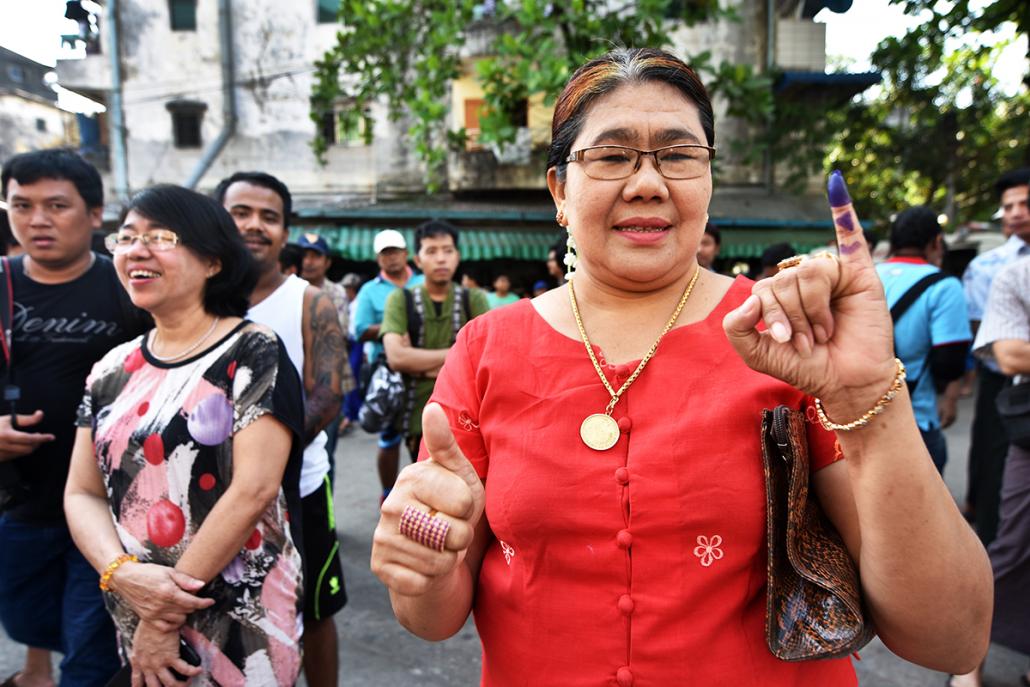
(988, 447)
(50, 599)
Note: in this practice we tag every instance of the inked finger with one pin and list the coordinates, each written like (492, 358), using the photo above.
(851, 244)
(776, 321)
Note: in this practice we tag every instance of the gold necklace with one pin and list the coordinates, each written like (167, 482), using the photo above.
(181, 354)
(600, 431)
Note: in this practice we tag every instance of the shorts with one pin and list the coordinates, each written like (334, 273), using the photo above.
(324, 592)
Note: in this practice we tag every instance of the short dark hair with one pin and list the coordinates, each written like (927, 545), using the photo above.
(777, 252)
(714, 232)
(1017, 177)
(258, 179)
(914, 227)
(205, 228)
(433, 228)
(55, 163)
(605, 74)
(291, 256)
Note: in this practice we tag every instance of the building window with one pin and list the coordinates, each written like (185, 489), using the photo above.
(519, 117)
(335, 132)
(16, 73)
(187, 117)
(183, 14)
(328, 11)
(473, 108)
(41, 125)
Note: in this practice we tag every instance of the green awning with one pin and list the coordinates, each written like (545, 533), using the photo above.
(747, 243)
(355, 242)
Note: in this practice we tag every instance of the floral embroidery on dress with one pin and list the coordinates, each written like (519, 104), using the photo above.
(708, 549)
(509, 552)
(838, 452)
(466, 422)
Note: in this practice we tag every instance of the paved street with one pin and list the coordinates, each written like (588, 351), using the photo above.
(376, 652)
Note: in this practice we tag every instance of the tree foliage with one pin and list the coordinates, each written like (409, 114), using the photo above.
(407, 53)
(942, 129)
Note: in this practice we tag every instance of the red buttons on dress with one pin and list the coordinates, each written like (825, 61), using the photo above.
(626, 604)
(624, 539)
(622, 476)
(625, 424)
(624, 676)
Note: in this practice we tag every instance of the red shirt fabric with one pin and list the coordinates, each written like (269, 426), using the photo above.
(641, 565)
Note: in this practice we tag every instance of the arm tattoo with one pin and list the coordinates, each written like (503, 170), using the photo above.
(326, 354)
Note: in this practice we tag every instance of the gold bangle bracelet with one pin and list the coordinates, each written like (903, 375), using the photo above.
(896, 385)
(105, 577)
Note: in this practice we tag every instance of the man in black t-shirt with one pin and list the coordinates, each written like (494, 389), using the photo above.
(67, 310)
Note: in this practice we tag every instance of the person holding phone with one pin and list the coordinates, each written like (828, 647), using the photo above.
(186, 465)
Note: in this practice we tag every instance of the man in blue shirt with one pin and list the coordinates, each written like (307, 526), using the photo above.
(392, 255)
(988, 444)
(932, 335)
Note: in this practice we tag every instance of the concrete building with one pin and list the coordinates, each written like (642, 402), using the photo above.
(29, 115)
(197, 89)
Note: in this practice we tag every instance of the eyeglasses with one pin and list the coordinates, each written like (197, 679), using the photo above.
(157, 240)
(608, 163)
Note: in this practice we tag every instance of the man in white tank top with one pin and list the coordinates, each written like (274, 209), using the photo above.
(306, 320)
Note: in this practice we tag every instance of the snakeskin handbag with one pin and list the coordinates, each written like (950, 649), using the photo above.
(814, 601)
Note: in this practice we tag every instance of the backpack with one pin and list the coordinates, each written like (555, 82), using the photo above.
(384, 398)
(389, 395)
(902, 306)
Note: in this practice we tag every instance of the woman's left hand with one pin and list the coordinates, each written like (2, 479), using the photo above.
(827, 331)
(154, 653)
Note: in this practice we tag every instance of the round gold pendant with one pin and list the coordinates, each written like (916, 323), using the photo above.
(599, 431)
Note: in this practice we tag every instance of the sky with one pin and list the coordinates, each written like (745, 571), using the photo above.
(33, 28)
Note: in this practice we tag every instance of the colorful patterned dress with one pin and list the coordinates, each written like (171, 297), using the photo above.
(163, 436)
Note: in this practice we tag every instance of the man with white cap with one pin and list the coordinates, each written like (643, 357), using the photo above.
(394, 273)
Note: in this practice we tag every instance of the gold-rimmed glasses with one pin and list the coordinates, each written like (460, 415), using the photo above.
(608, 163)
(156, 240)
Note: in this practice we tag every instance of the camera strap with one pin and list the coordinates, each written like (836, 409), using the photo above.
(11, 392)
(6, 310)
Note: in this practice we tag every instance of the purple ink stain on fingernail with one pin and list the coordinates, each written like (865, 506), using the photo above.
(837, 190)
(849, 248)
(845, 223)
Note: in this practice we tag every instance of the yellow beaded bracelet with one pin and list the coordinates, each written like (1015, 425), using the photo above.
(899, 381)
(105, 577)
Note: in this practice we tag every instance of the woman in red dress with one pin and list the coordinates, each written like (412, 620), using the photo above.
(595, 494)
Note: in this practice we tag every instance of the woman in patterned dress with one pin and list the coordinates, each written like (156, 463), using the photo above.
(187, 459)
(613, 533)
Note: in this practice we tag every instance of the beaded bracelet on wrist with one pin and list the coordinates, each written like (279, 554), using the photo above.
(105, 577)
(878, 407)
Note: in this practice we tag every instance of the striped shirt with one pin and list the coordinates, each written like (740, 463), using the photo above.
(1007, 315)
(978, 275)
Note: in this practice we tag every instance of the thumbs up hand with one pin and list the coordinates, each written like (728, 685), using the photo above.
(446, 488)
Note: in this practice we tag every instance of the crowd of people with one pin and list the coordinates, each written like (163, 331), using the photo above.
(172, 412)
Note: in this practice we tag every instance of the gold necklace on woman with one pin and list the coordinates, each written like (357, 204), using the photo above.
(600, 431)
(184, 353)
